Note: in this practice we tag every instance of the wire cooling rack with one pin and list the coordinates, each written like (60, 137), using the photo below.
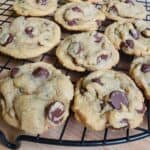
(64, 136)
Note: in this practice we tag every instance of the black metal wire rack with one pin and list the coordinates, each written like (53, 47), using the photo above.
(6, 16)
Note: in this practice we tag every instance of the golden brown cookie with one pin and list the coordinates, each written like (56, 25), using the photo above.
(35, 97)
(108, 99)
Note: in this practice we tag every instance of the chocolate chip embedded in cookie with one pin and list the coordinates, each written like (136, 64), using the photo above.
(87, 51)
(35, 7)
(79, 16)
(130, 37)
(35, 97)
(29, 37)
(124, 10)
(109, 99)
(140, 71)
(56, 112)
(118, 98)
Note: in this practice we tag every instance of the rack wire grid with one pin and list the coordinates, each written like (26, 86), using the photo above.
(107, 137)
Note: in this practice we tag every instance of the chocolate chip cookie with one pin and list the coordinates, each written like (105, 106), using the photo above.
(35, 97)
(131, 37)
(108, 99)
(28, 37)
(79, 16)
(35, 7)
(140, 71)
(124, 10)
(87, 51)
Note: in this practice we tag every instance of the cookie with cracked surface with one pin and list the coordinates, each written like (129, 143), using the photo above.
(123, 10)
(131, 37)
(140, 71)
(28, 37)
(87, 51)
(108, 99)
(79, 16)
(35, 7)
(35, 97)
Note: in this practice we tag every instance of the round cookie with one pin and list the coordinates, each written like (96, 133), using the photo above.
(132, 38)
(108, 99)
(79, 16)
(35, 7)
(124, 10)
(28, 37)
(140, 71)
(35, 97)
(87, 51)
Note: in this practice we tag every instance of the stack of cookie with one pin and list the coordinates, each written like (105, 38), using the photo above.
(37, 96)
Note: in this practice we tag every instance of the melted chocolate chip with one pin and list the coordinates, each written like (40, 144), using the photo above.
(127, 44)
(42, 2)
(117, 98)
(129, 2)
(145, 33)
(72, 22)
(80, 48)
(102, 57)
(98, 22)
(40, 72)
(56, 111)
(135, 34)
(145, 68)
(76, 9)
(14, 72)
(113, 9)
(29, 31)
(97, 38)
(97, 80)
(125, 121)
(143, 110)
(8, 40)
